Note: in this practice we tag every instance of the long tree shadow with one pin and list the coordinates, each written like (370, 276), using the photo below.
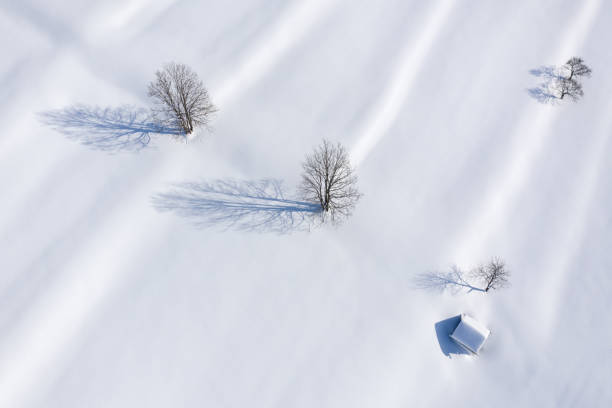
(259, 205)
(546, 92)
(453, 280)
(109, 129)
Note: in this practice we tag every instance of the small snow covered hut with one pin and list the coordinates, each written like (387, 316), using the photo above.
(470, 334)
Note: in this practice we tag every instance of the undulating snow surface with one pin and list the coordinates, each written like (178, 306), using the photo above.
(129, 279)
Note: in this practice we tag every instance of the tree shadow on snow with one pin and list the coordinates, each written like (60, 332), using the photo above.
(444, 329)
(108, 129)
(546, 91)
(259, 206)
(453, 280)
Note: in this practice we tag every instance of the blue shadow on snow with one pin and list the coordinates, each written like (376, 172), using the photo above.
(108, 129)
(444, 329)
(259, 206)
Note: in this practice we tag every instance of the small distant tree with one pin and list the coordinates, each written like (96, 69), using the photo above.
(328, 179)
(577, 68)
(569, 87)
(180, 97)
(561, 81)
(493, 275)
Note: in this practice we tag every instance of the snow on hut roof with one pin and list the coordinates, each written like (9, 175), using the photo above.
(470, 334)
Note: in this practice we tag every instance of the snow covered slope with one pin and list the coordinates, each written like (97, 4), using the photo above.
(108, 301)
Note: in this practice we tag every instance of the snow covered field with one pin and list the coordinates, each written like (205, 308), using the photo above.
(106, 300)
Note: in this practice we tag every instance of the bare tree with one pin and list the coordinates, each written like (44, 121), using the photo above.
(569, 87)
(328, 180)
(180, 97)
(560, 82)
(577, 67)
(493, 275)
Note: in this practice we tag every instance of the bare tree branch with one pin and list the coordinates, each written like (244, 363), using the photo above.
(494, 275)
(577, 68)
(569, 87)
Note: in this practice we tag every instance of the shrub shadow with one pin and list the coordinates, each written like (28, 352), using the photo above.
(546, 72)
(444, 329)
(259, 206)
(108, 129)
(545, 92)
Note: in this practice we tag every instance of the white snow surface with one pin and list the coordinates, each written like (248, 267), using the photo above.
(470, 333)
(122, 284)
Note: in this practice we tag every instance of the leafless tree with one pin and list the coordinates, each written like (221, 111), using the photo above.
(577, 68)
(328, 180)
(561, 81)
(180, 97)
(493, 275)
(569, 87)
